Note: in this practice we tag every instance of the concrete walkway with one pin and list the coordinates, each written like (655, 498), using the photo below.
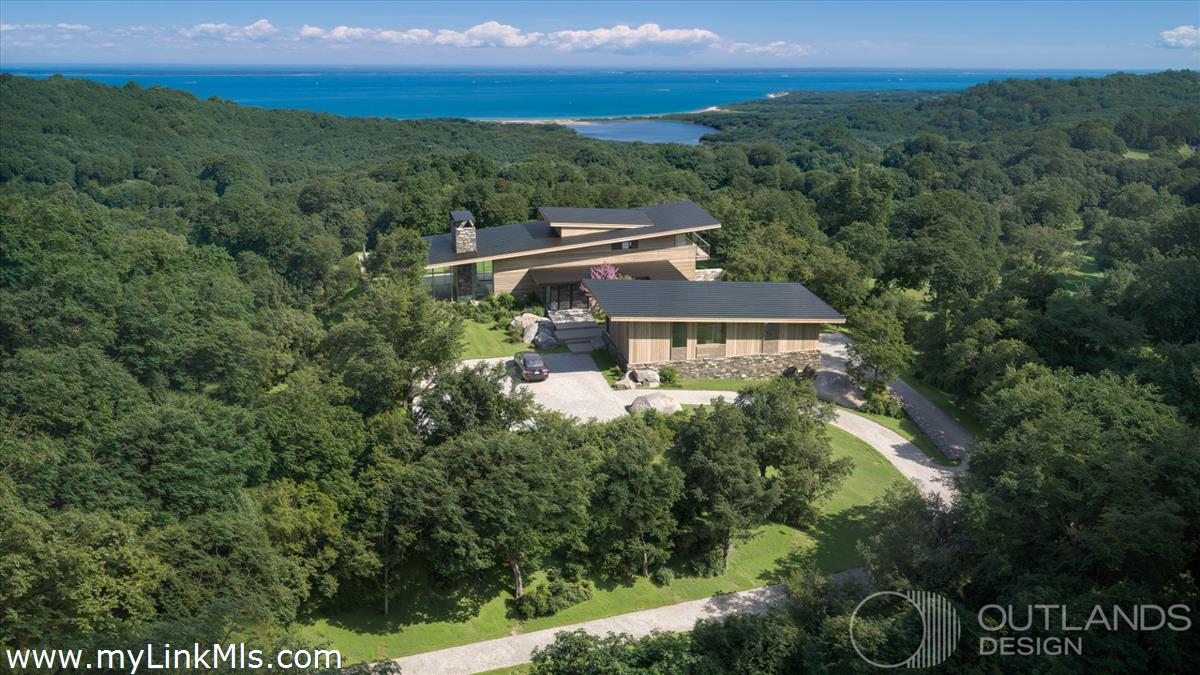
(929, 477)
(517, 649)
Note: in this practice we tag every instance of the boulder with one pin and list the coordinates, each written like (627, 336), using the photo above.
(657, 401)
(525, 320)
(531, 332)
(625, 383)
(545, 341)
(646, 376)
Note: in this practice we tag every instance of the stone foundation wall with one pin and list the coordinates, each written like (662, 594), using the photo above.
(748, 367)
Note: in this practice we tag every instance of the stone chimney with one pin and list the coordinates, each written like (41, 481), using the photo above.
(462, 226)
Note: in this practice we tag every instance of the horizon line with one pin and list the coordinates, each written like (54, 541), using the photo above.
(49, 64)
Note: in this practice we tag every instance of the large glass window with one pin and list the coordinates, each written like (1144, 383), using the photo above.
(771, 331)
(484, 285)
(441, 282)
(625, 246)
(678, 335)
(710, 333)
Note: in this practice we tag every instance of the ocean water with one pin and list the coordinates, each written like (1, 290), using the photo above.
(501, 94)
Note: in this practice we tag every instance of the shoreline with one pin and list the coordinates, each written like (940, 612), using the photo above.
(585, 121)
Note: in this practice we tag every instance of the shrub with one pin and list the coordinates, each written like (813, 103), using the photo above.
(668, 376)
(662, 576)
(552, 596)
(880, 401)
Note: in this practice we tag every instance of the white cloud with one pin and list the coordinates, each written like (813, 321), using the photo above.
(1181, 37)
(778, 48)
(5, 27)
(230, 33)
(488, 34)
(648, 37)
(622, 37)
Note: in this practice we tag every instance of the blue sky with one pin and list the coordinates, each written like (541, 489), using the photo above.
(1035, 35)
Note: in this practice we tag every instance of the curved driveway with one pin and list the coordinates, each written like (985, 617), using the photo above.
(929, 477)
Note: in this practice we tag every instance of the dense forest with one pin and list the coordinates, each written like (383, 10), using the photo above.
(206, 407)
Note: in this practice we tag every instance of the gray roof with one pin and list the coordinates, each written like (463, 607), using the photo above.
(537, 235)
(562, 214)
(765, 300)
(461, 215)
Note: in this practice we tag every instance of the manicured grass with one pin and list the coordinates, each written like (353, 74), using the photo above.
(608, 365)
(428, 620)
(910, 431)
(1136, 154)
(946, 403)
(706, 384)
(486, 340)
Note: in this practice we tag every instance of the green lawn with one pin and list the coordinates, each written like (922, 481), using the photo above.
(910, 431)
(1136, 154)
(707, 384)
(486, 340)
(608, 365)
(946, 403)
(428, 621)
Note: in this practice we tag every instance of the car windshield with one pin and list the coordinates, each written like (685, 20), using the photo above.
(532, 361)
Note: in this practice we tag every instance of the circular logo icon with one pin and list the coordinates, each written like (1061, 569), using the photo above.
(939, 623)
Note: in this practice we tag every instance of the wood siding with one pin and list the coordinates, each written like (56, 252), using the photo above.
(641, 342)
(511, 275)
(743, 338)
(650, 341)
(799, 337)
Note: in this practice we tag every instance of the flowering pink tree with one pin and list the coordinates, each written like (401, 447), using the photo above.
(604, 271)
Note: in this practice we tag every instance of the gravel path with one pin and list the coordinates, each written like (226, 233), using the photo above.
(518, 649)
(949, 436)
(834, 385)
(831, 381)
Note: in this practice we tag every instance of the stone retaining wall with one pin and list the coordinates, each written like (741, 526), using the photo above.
(749, 367)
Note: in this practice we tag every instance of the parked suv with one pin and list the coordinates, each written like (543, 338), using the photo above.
(531, 367)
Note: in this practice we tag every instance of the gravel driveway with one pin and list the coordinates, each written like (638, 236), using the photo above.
(510, 651)
(928, 476)
(575, 387)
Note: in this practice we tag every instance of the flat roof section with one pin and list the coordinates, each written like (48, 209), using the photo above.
(573, 216)
(507, 241)
(734, 301)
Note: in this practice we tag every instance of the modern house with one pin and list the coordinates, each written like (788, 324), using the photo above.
(551, 256)
(726, 329)
(658, 312)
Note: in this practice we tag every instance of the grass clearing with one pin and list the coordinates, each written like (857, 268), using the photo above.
(426, 620)
(1136, 154)
(1087, 273)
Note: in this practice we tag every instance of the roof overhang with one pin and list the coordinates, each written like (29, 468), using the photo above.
(569, 245)
(655, 269)
(716, 319)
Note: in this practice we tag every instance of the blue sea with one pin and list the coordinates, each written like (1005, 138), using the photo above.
(514, 94)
